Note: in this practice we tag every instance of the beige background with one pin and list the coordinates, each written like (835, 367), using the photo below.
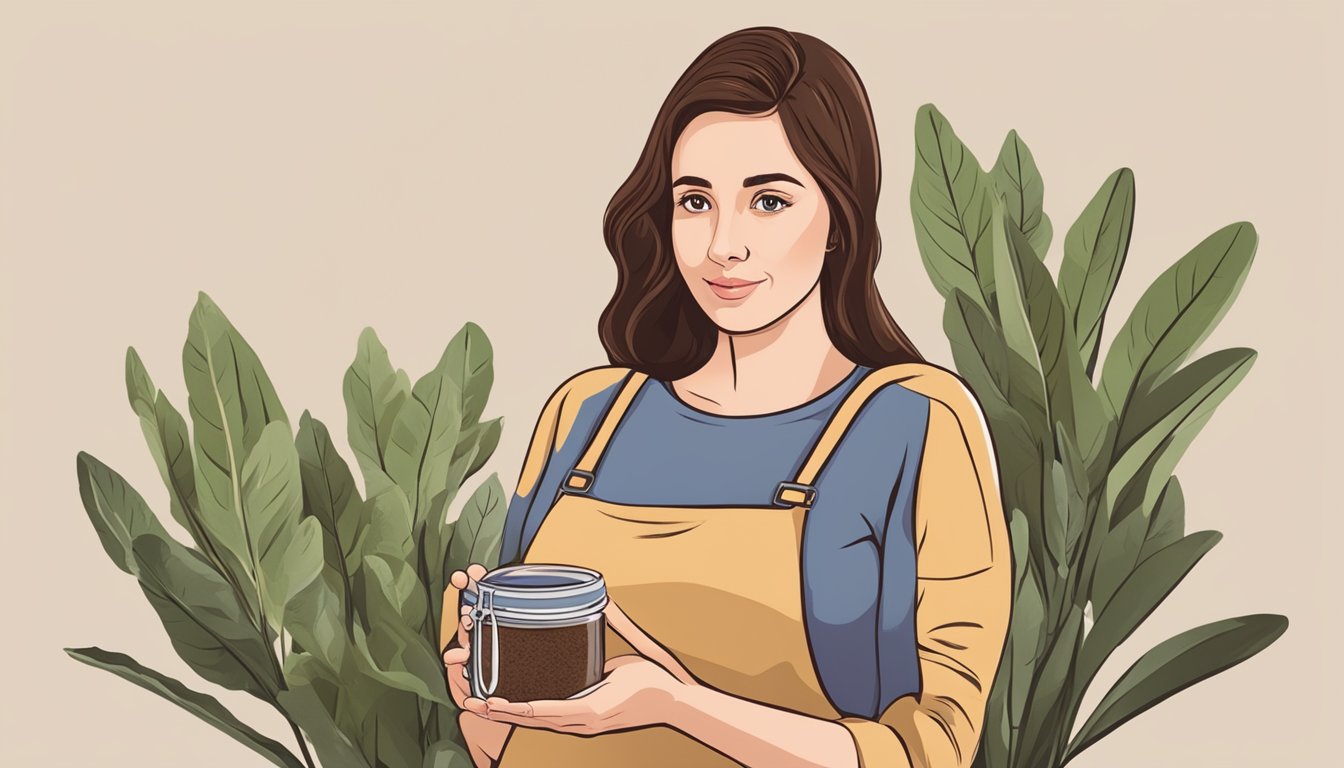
(320, 167)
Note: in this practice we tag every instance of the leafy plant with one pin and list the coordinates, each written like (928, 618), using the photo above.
(321, 601)
(1097, 517)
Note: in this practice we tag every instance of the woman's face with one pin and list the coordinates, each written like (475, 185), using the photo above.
(749, 224)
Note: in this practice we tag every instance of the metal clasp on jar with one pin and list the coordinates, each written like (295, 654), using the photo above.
(484, 611)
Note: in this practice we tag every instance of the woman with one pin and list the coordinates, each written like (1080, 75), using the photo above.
(798, 520)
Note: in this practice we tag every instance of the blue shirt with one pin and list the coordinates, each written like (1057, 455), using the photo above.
(858, 553)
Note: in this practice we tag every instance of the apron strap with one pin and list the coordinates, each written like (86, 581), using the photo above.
(801, 492)
(581, 477)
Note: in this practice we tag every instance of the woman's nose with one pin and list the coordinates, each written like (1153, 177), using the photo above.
(727, 244)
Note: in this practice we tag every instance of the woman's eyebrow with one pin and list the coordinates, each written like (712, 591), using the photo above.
(695, 181)
(766, 178)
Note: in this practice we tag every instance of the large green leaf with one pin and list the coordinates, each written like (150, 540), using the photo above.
(1140, 592)
(201, 705)
(317, 618)
(330, 495)
(310, 699)
(1166, 525)
(1123, 548)
(950, 198)
(1026, 369)
(374, 393)
(206, 624)
(287, 547)
(231, 401)
(118, 512)
(424, 437)
(1072, 401)
(166, 435)
(476, 535)
(1174, 665)
(1017, 179)
(982, 359)
(469, 362)
(397, 654)
(1175, 314)
(1094, 254)
(1165, 422)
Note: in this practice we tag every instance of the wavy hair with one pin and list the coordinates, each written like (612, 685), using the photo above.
(652, 322)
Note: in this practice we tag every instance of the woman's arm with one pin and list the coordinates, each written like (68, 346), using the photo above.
(964, 583)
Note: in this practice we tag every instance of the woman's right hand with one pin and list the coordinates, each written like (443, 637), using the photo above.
(485, 738)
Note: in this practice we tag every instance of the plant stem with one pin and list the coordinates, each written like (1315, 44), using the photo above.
(303, 743)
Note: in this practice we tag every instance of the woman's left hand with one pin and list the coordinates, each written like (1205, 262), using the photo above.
(634, 693)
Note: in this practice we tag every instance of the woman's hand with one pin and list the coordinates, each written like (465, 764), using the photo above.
(634, 693)
(485, 738)
(637, 690)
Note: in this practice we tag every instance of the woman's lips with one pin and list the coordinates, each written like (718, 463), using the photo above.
(736, 289)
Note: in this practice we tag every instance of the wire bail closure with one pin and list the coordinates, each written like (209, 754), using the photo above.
(484, 612)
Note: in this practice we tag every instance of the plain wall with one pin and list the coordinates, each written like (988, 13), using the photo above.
(321, 167)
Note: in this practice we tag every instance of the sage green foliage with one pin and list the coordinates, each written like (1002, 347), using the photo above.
(297, 588)
(1086, 456)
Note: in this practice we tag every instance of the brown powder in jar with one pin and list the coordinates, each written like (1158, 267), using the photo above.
(545, 662)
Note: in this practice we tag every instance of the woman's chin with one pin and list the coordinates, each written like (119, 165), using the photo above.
(740, 319)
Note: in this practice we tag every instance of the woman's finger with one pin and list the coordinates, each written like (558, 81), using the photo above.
(645, 645)
(464, 624)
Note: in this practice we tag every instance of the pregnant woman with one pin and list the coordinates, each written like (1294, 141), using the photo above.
(798, 519)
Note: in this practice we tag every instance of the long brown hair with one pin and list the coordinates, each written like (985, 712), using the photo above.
(652, 322)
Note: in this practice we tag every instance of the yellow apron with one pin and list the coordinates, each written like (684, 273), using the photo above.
(719, 587)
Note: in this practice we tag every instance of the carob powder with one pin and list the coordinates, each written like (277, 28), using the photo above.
(547, 662)
(538, 632)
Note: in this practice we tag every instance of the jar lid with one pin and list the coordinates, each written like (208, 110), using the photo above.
(534, 594)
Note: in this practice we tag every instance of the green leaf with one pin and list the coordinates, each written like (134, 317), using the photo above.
(317, 618)
(469, 363)
(1094, 254)
(388, 526)
(1163, 424)
(310, 699)
(374, 394)
(1167, 523)
(399, 657)
(207, 626)
(446, 754)
(419, 456)
(330, 495)
(231, 401)
(982, 360)
(1027, 633)
(287, 547)
(1017, 178)
(1175, 314)
(1071, 399)
(1174, 665)
(950, 199)
(476, 535)
(1139, 594)
(201, 705)
(1026, 370)
(118, 512)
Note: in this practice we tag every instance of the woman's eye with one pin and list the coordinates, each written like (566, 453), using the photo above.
(695, 203)
(770, 204)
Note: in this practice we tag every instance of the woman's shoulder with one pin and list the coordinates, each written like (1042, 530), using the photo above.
(942, 388)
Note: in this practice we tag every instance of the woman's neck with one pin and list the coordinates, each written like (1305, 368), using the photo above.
(780, 366)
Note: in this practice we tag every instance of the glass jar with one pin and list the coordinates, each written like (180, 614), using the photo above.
(538, 632)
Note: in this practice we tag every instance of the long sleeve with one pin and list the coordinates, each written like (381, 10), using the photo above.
(963, 592)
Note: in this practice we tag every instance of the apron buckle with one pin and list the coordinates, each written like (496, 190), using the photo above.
(579, 481)
(795, 495)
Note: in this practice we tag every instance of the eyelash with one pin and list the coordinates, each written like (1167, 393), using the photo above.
(681, 203)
